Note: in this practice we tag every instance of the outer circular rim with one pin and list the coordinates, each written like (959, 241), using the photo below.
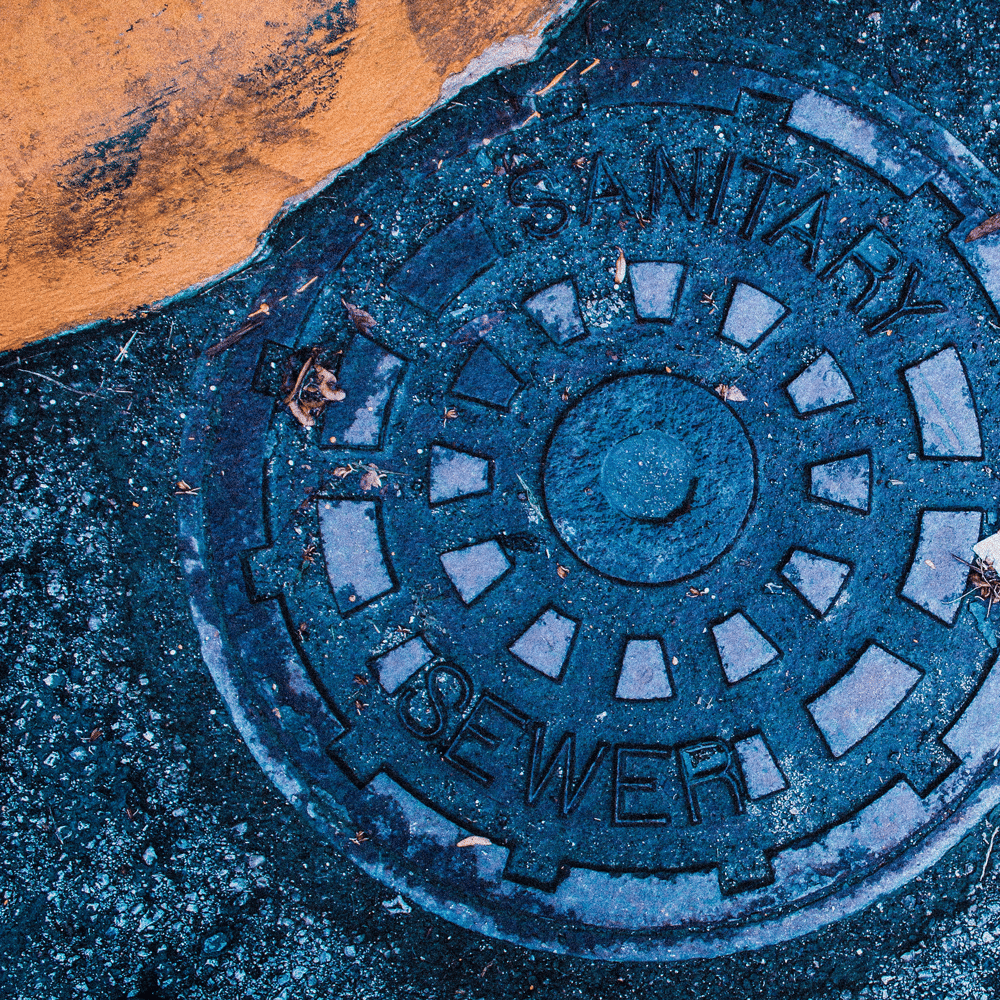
(971, 185)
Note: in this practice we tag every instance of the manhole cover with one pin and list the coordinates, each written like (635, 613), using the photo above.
(580, 522)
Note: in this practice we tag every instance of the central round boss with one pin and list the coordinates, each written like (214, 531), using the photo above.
(649, 478)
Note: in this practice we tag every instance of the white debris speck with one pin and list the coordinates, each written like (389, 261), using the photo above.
(989, 549)
(397, 905)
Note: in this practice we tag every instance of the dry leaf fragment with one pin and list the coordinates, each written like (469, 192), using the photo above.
(397, 905)
(301, 377)
(234, 338)
(362, 320)
(300, 414)
(985, 228)
(326, 383)
(695, 592)
(985, 579)
(620, 267)
(292, 400)
(929, 563)
(562, 571)
(730, 392)
(314, 387)
(554, 82)
(186, 489)
(372, 479)
(475, 842)
(450, 413)
(343, 471)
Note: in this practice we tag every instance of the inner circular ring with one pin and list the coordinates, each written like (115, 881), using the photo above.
(649, 478)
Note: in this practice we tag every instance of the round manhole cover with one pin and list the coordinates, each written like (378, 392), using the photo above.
(580, 523)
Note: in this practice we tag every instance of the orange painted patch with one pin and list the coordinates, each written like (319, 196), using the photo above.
(148, 145)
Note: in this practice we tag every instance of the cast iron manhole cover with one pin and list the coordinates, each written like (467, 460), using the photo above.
(599, 585)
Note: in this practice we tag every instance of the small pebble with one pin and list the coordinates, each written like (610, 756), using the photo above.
(214, 944)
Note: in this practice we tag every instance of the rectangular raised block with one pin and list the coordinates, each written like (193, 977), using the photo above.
(751, 316)
(643, 675)
(819, 386)
(546, 643)
(475, 568)
(353, 553)
(456, 474)
(818, 579)
(445, 264)
(845, 482)
(949, 427)
(936, 579)
(397, 666)
(760, 770)
(368, 375)
(742, 648)
(656, 287)
(877, 147)
(863, 698)
(556, 310)
(485, 379)
(975, 734)
(983, 259)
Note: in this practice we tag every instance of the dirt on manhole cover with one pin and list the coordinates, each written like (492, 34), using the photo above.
(583, 527)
